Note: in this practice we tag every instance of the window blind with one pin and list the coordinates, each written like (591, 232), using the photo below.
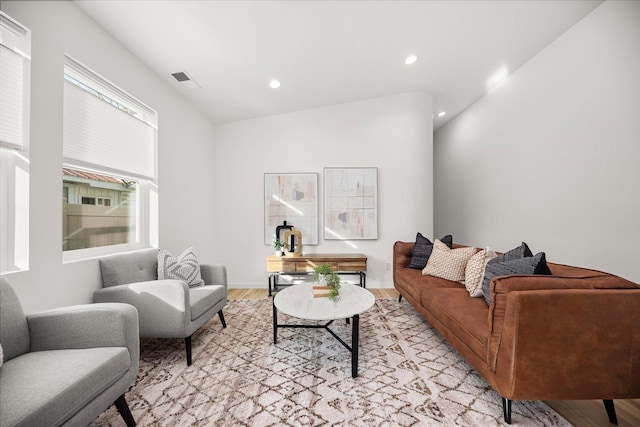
(105, 128)
(15, 66)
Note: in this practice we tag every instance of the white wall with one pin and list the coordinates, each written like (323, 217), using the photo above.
(552, 156)
(392, 133)
(185, 152)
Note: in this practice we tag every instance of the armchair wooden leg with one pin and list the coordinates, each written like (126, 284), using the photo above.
(224, 324)
(187, 344)
(125, 413)
(611, 411)
(399, 297)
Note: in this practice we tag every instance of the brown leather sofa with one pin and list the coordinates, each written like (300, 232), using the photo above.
(569, 336)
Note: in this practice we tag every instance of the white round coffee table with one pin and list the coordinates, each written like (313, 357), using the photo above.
(298, 301)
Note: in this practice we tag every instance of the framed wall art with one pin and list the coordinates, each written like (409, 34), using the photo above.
(291, 197)
(350, 203)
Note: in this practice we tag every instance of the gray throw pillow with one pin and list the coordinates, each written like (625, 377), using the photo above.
(423, 248)
(521, 251)
(527, 265)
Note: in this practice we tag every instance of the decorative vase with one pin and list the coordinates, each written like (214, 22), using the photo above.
(278, 252)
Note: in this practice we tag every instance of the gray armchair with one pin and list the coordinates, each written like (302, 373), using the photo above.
(166, 308)
(65, 366)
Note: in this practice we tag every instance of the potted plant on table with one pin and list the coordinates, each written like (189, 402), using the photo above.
(328, 281)
(278, 245)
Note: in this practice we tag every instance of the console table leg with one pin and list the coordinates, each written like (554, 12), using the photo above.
(275, 324)
(354, 345)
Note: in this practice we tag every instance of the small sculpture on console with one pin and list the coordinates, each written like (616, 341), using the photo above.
(293, 242)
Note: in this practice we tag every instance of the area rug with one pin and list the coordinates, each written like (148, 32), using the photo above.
(408, 376)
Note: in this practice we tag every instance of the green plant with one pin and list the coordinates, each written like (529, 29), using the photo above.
(321, 270)
(331, 279)
(278, 245)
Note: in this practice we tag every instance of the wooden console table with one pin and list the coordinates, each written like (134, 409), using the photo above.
(344, 264)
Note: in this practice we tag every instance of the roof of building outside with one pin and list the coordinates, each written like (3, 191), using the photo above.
(93, 176)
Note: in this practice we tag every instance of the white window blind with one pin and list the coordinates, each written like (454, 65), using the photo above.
(15, 69)
(105, 128)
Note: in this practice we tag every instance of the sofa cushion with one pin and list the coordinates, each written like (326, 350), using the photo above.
(422, 250)
(448, 263)
(48, 387)
(202, 298)
(410, 283)
(185, 267)
(465, 318)
(521, 251)
(528, 265)
(140, 266)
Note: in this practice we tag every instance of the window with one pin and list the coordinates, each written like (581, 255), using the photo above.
(109, 171)
(15, 79)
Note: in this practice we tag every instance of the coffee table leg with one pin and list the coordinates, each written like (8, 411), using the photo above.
(275, 323)
(354, 345)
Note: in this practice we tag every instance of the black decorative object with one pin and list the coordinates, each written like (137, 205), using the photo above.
(284, 226)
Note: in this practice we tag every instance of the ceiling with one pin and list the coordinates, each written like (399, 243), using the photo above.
(332, 52)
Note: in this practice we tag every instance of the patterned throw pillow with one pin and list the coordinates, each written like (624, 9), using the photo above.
(521, 251)
(422, 250)
(185, 267)
(527, 265)
(474, 272)
(447, 263)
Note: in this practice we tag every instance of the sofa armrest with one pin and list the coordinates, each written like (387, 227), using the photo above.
(214, 274)
(86, 326)
(402, 254)
(570, 344)
(163, 306)
(501, 288)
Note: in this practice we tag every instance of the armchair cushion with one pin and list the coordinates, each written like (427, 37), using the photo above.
(49, 387)
(204, 297)
(161, 305)
(140, 266)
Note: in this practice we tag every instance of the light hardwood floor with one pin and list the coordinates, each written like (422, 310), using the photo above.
(581, 413)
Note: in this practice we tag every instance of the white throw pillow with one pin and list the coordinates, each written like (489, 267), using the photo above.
(474, 272)
(185, 267)
(448, 263)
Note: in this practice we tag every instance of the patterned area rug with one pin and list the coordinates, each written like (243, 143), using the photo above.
(408, 376)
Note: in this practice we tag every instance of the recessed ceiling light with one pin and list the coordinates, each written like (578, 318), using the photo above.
(274, 84)
(497, 78)
(410, 59)
(442, 113)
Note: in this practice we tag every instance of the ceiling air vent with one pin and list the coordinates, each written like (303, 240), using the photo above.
(185, 81)
(181, 77)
